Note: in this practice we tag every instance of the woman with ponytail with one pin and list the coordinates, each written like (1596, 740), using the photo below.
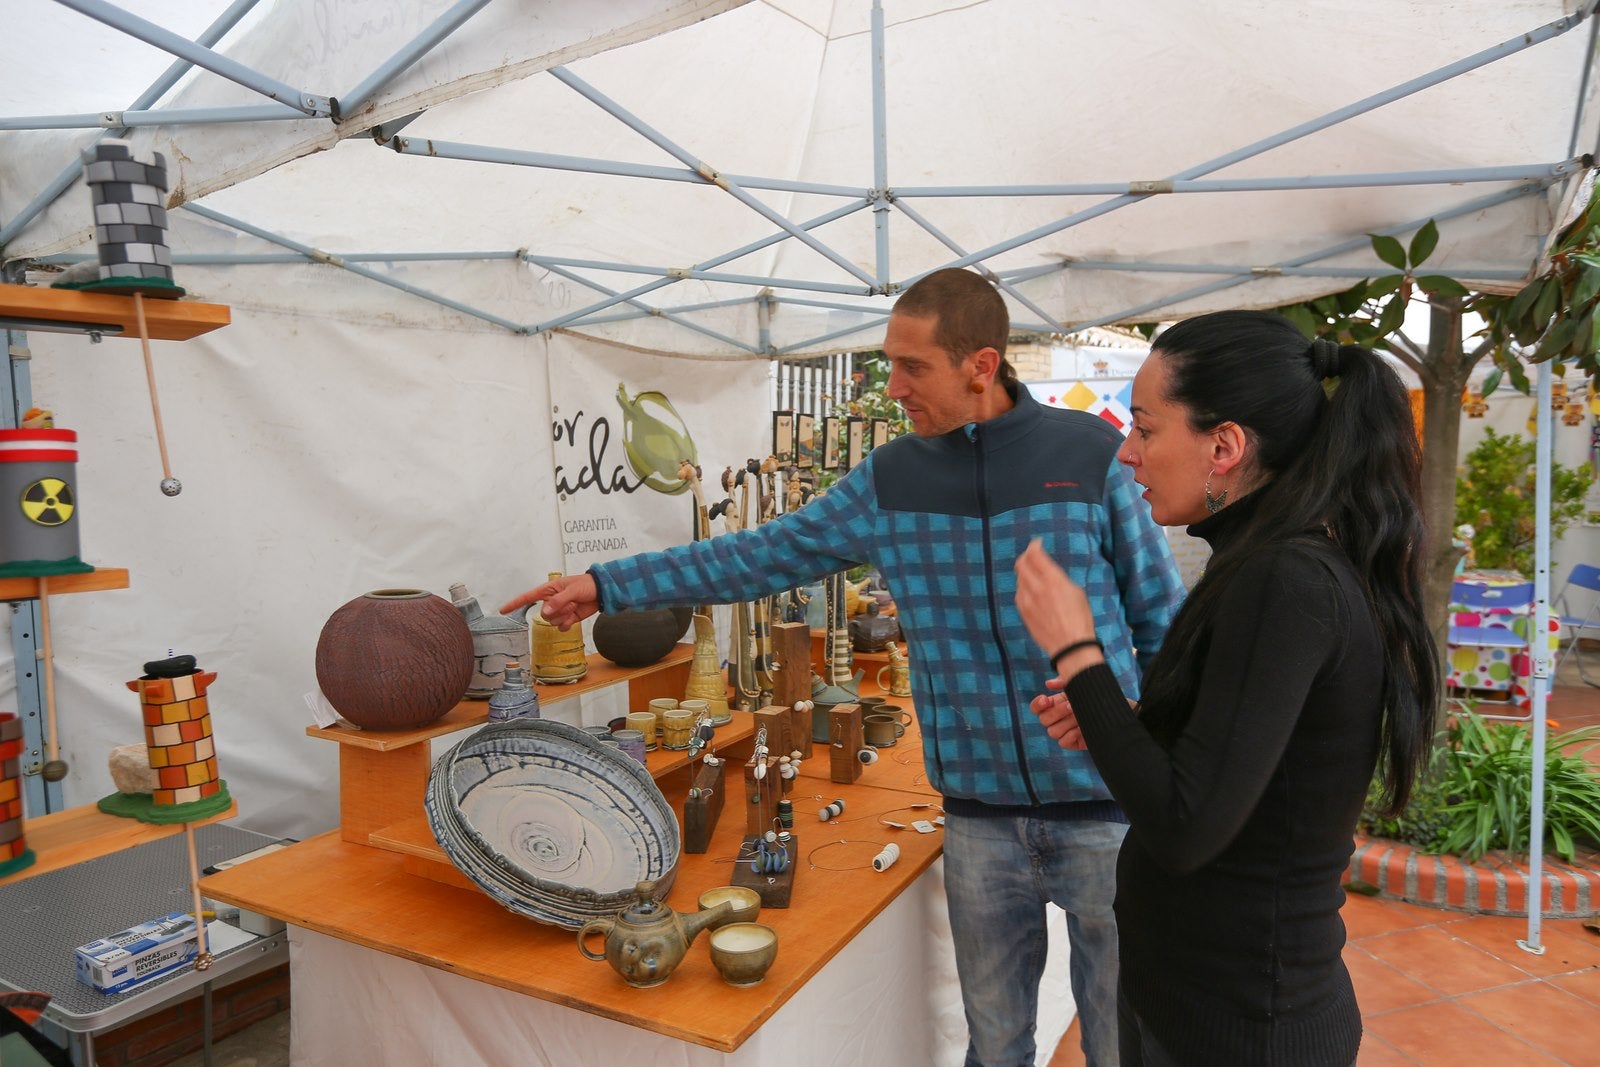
(1300, 662)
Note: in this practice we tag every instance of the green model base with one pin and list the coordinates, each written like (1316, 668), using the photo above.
(17, 863)
(142, 806)
(160, 288)
(44, 568)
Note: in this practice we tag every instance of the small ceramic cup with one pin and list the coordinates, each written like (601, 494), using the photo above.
(870, 705)
(676, 726)
(880, 731)
(901, 717)
(631, 742)
(645, 723)
(746, 903)
(742, 952)
(659, 706)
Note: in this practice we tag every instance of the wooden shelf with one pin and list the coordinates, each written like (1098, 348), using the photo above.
(63, 838)
(88, 582)
(165, 320)
(469, 713)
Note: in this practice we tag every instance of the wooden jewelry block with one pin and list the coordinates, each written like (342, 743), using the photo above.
(701, 811)
(778, 722)
(774, 888)
(845, 742)
(791, 684)
(761, 797)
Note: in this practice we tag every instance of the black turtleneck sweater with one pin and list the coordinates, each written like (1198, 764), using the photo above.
(1228, 885)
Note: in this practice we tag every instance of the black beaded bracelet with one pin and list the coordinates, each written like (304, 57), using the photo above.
(1070, 649)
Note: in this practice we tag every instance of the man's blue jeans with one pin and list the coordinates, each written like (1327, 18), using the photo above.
(999, 872)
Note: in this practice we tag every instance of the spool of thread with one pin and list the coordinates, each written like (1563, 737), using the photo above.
(885, 859)
(832, 811)
(787, 771)
(786, 813)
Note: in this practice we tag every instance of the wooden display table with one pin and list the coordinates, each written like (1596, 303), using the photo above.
(381, 882)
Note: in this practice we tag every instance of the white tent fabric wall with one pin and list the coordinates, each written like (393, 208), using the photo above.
(320, 458)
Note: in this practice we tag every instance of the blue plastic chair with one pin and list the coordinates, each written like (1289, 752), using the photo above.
(1582, 579)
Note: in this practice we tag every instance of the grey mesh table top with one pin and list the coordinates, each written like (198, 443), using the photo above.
(43, 918)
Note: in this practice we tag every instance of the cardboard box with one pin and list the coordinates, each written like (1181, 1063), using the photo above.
(135, 955)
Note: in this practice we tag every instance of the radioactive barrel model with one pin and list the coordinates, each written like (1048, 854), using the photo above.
(14, 853)
(130, 223)
(38, 503)
(177, 732)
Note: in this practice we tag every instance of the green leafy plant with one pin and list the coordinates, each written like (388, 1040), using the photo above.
(1495, 493)
(1487, 776)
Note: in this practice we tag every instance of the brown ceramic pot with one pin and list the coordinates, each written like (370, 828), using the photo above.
(394, 659)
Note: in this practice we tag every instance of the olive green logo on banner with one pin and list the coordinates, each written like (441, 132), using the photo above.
(655, 440)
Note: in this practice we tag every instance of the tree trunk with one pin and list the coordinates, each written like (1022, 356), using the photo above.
(1444, 375)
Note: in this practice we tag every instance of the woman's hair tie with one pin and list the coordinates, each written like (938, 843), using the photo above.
(1325, 358)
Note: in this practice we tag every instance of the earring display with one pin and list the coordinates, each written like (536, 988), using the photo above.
(880, 433)
(783, 440)
(805, 441)
(855, 447)
(830, 443)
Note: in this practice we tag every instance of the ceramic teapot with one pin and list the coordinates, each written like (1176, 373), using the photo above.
(647, 940)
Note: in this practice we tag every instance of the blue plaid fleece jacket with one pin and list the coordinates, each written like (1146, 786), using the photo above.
(944, 519)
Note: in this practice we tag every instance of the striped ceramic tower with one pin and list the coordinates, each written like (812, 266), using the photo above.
(14, 853)
(130, 221)
(177, 731)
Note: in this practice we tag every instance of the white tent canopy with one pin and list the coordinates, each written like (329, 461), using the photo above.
(514, 205)
(754, 177)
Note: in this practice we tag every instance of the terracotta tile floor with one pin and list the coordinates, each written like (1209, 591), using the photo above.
(1447, 989)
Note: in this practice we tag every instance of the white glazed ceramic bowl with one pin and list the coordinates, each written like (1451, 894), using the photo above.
(551, 822)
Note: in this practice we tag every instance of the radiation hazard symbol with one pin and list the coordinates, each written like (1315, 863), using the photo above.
(47, 502)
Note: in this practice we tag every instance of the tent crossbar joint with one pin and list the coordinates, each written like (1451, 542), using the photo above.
(1150, 187)
(1267, 272)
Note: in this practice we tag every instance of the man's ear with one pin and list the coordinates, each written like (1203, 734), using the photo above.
(986, 363)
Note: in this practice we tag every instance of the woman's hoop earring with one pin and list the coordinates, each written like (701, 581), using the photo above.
(1215, 504)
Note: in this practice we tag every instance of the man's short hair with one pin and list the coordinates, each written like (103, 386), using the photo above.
(969, 311)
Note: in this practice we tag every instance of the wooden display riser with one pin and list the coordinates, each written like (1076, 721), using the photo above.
(368, 897)
(63, 838)
(383, 774)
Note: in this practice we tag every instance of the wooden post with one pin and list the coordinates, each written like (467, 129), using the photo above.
(701, 811)
(780, 729)
(761, 798)
(791, 680)
(844, 742)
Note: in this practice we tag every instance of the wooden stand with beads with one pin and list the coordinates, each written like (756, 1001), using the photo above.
(845, 742)
(774, 888)
(791, 681)
(779, 723)
(761, 798)
(702, 810)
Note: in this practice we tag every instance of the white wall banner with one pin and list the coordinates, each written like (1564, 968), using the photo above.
(620, 422)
